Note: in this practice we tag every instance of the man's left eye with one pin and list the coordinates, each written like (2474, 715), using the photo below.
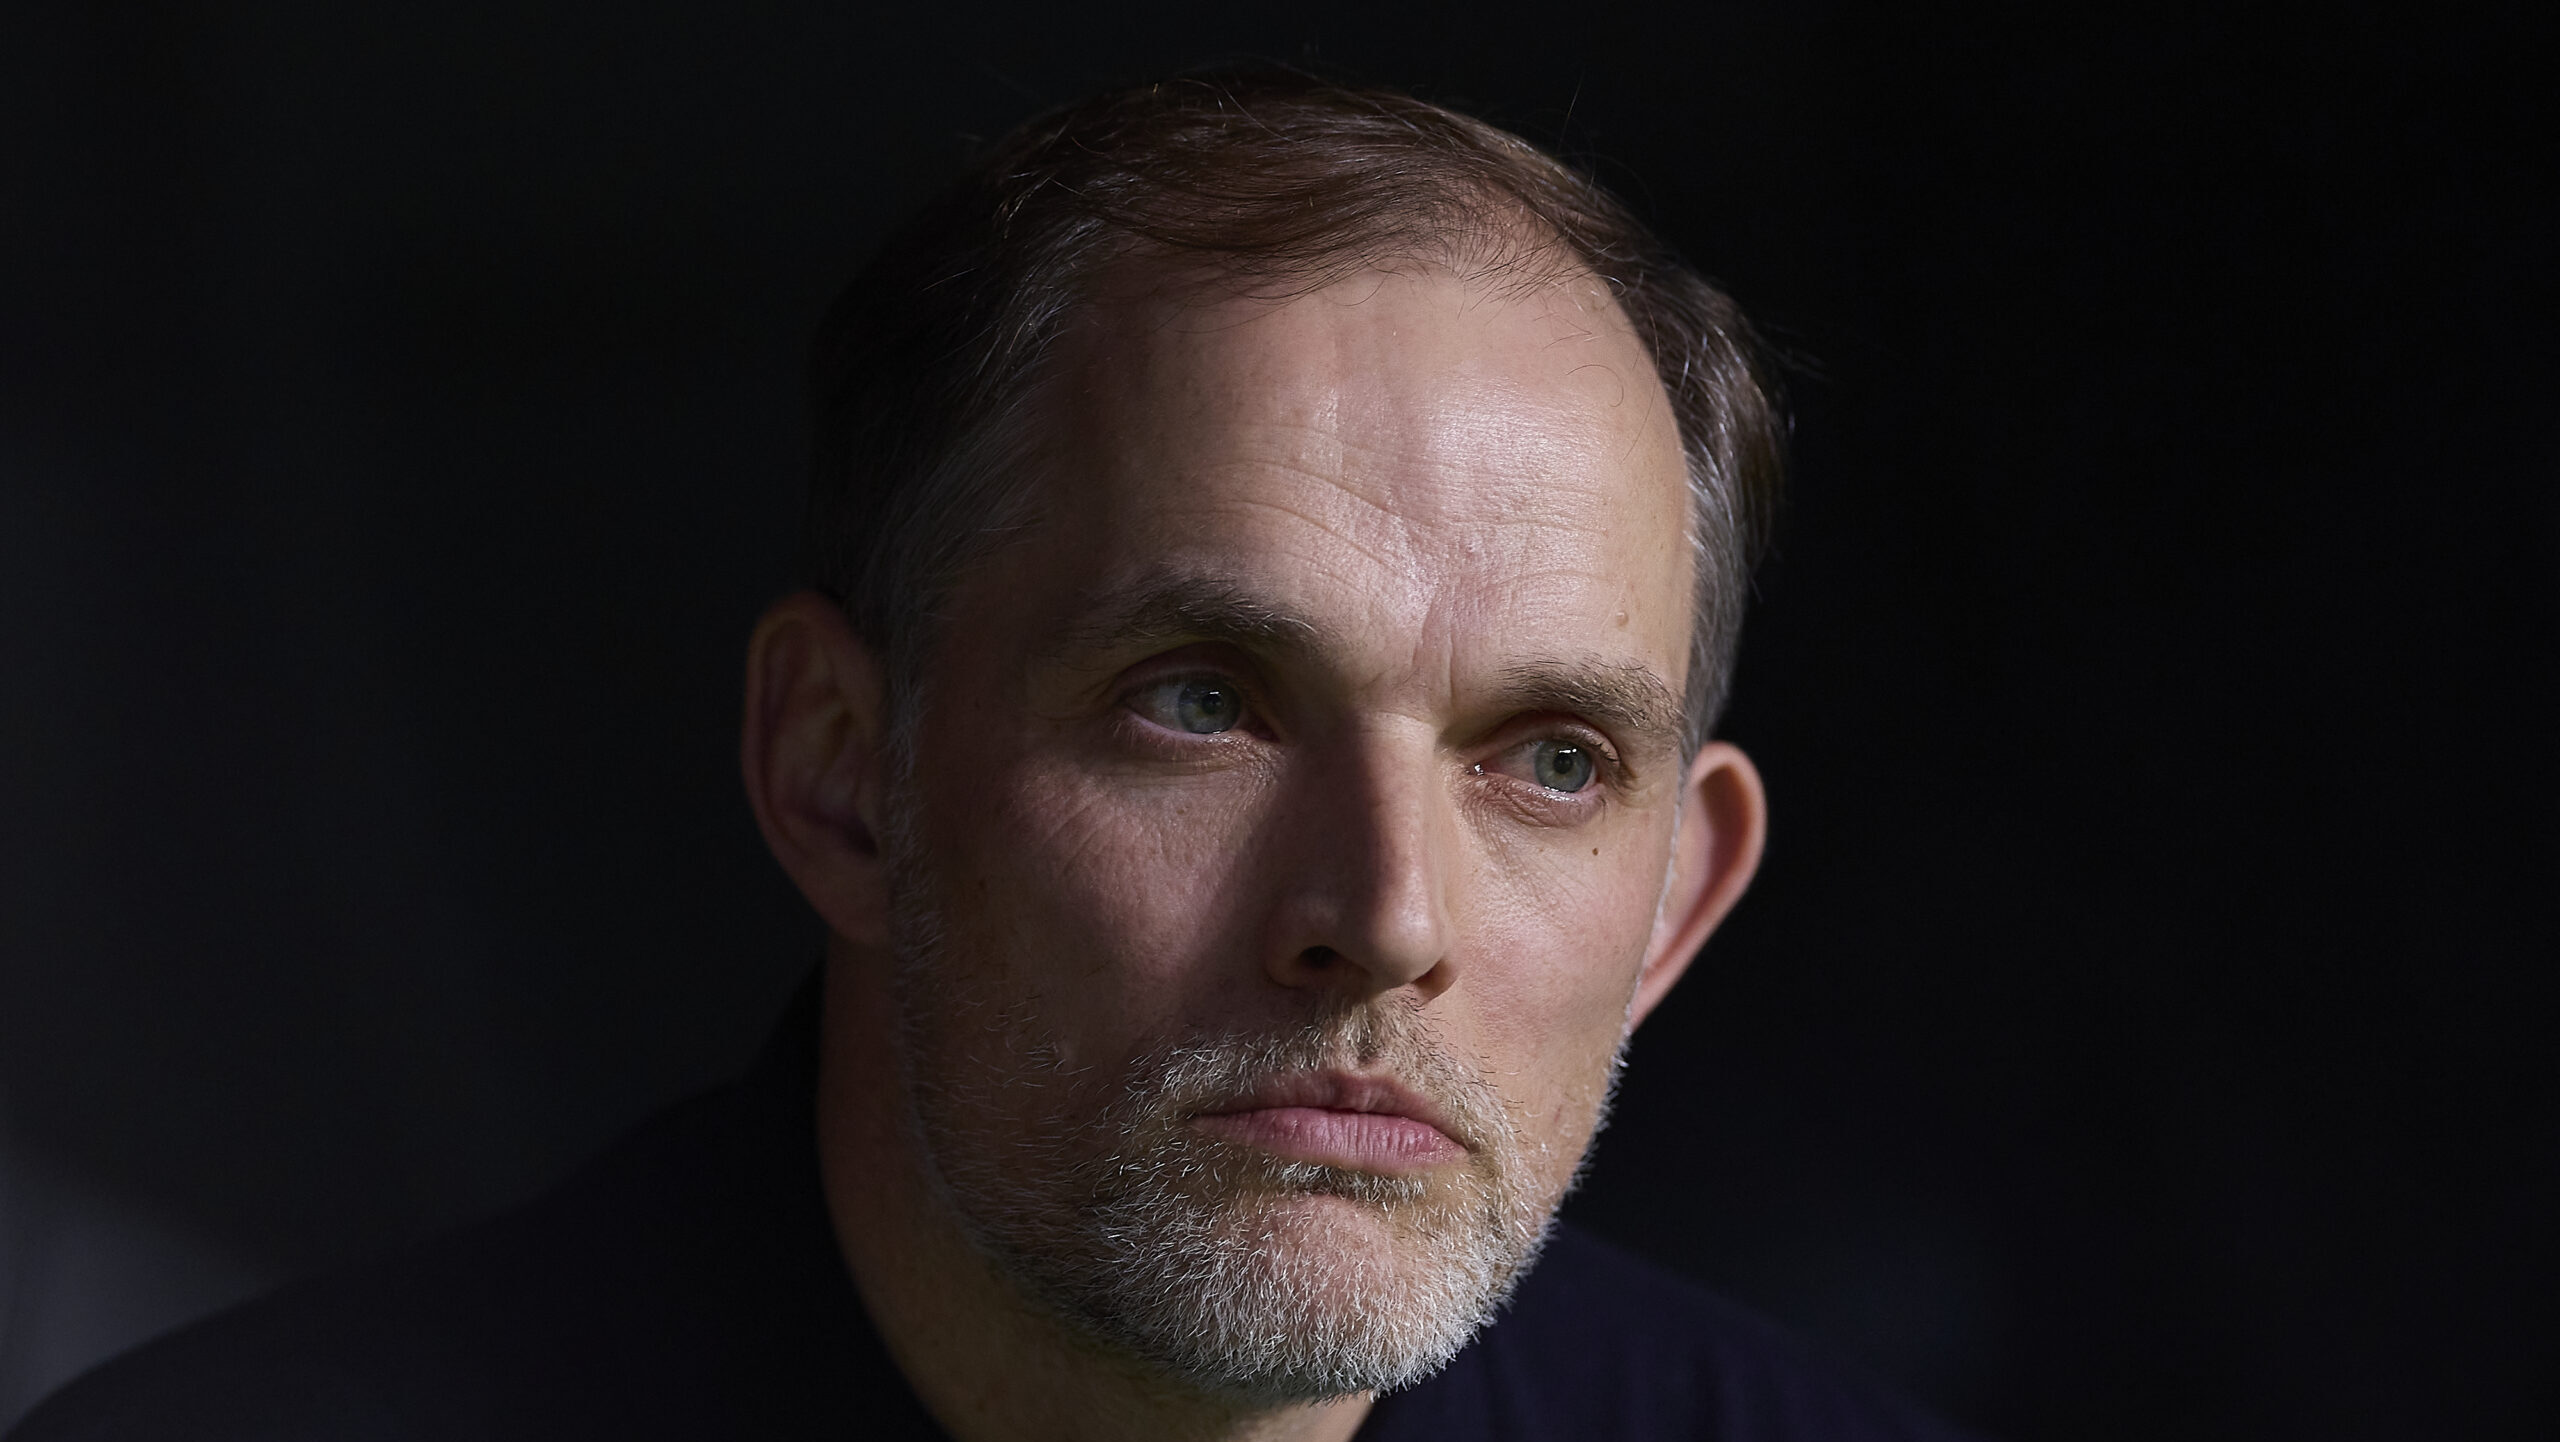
(1201, 706)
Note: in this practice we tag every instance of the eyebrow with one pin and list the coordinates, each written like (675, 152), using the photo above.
(1178, 607)
(1622, 697)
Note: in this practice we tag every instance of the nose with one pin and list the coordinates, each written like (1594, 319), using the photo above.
(1364, 865)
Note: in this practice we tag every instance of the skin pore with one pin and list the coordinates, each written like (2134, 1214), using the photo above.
(1339, 671)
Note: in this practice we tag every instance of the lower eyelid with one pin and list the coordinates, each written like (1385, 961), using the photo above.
(1590, 795)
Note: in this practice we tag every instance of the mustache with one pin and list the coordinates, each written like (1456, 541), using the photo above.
(1173, 1081)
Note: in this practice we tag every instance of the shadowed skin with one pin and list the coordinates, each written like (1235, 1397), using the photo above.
(1264, 714)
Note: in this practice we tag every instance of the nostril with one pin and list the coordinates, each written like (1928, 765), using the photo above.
(1319, 958)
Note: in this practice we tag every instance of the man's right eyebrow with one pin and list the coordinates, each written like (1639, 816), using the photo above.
(1174, 609)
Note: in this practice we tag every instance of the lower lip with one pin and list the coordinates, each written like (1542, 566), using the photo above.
(1356, 1141)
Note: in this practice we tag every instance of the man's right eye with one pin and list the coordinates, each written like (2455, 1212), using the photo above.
(1199, 705)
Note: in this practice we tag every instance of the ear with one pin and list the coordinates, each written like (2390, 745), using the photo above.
(1715, 847)
(814, 750)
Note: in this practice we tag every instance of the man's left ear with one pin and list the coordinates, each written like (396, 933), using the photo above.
(1724, 818)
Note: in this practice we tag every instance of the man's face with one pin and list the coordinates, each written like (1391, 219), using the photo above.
(1290, 811)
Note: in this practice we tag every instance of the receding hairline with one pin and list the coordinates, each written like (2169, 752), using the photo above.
(1498, 247)
(1141, 295)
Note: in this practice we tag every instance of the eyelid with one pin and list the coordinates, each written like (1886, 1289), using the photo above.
(1148, 674)
(1202, 661)
(1175, 667)
(1569, 731)
(1608, 770)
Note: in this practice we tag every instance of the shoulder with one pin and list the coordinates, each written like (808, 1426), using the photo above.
(1599, 1343)
(476, 1334)
(300, 1364)
(663, 1287)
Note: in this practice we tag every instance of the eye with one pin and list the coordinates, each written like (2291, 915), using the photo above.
(1561, 766)
(1200, 705)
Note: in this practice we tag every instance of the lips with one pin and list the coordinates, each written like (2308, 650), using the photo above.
(1365, 1124)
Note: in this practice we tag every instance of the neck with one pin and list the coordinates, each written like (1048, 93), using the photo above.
(989, 1365)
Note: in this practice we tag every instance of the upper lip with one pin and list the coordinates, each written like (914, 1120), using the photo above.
(1339, 1091)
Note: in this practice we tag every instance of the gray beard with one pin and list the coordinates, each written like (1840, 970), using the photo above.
(1202, 1259)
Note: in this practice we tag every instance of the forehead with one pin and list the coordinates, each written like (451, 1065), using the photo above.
(1410, 454)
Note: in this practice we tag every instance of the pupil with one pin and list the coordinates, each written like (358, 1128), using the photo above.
(1566, 768)
(1207, 708)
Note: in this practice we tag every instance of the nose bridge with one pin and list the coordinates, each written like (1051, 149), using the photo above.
(1374, 867)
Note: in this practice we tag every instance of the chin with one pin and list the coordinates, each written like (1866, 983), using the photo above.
(1357, 1234)
(1293, 1296)
(1333, 1246)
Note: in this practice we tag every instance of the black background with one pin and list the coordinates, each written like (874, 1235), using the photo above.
(2139, 1029)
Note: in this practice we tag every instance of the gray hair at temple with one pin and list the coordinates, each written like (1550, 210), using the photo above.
(1277, 183)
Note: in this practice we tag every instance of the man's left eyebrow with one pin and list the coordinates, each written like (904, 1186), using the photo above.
(1625, 698)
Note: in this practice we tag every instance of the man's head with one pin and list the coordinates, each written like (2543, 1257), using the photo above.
(1271, 185)
(1267, 768)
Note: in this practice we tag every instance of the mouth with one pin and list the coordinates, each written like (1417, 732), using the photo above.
(1337, 1119)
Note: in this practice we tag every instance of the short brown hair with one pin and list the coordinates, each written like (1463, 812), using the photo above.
(1274, 178)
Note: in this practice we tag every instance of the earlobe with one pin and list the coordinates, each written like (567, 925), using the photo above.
(812, 751)
(1723, 824)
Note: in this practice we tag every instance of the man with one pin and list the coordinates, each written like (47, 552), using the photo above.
(1278, 554)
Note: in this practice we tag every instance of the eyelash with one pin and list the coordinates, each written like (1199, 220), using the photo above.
(1249, 720)
(1609, 772)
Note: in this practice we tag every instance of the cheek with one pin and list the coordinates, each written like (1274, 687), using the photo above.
(1104, 898)
(1557, 948)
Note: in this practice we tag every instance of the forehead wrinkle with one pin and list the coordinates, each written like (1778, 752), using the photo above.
(1545, 495)
(1432, 568)
(1421, 562)
(1433, 572)
(1488, 425)
(1353, 536)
